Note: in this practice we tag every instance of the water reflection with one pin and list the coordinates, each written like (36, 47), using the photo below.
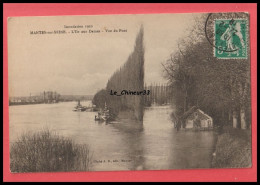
(132, 137)
(192, 149)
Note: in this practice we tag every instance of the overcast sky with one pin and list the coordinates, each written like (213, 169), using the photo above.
(80, 64)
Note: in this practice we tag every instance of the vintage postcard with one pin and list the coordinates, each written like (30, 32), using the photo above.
(129, 92)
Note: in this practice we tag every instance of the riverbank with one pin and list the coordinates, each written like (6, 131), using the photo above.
(233, 149)
(33, 103)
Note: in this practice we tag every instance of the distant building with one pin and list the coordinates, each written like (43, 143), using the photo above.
(197, 119)
(45, 97)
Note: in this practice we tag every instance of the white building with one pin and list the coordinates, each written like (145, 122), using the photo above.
(196, 118)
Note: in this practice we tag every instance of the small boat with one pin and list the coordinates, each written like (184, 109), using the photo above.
(79, 107)
(103, 115)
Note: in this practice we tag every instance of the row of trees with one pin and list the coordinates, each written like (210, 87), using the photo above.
(159, 94)
(44, 97)
(50, 97)
(128, 77)
(220, 87)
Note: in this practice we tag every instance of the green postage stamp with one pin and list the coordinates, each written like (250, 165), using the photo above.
(230, 38)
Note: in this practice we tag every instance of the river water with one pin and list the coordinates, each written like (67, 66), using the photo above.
(123, 145)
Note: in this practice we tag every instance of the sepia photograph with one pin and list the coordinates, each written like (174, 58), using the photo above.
(129, 92)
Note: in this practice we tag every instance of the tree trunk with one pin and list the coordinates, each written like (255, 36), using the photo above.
(229, 117)
(223, 117)
(185, 102)
(235, 121)
(242, 118)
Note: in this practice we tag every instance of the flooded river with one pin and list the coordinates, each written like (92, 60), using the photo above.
(123, 145)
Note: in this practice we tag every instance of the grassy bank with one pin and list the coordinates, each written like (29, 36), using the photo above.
(233, 149)
(46, 151)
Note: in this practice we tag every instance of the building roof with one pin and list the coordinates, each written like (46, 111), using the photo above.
(204, 115)
(201, 115)
(189, 112)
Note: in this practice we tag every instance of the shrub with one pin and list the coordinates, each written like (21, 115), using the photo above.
(46, 151)
(233, 149)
